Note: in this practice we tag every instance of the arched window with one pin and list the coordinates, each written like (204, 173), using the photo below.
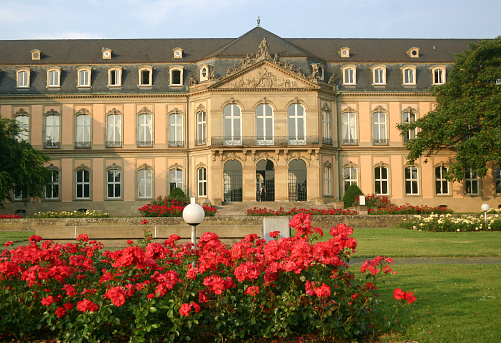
(349, 75)
(296, 123)
(232, 181)
(264, 124)
(232, 125)
(297, 181)
(409, 75)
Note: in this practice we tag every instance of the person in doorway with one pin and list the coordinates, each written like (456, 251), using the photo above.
(262, 194)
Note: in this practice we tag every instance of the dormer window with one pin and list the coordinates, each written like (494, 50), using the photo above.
(115, 77)
(349, 75)
(438, 75)
(176, 76)
(36, 55)
(178, 52)
(23, 78)
(409, 75)
(53, 77)
(344, 52)
(204, 73)
(107, 53)
(413, 52)
(318, 70)
(145, 76)
(378, 75)
(84, 75)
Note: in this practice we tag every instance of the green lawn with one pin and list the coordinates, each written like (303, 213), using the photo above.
(15, 236)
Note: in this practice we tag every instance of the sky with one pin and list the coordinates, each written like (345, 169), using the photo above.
(69, 19)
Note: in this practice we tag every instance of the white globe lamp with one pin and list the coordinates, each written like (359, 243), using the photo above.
(193, 214)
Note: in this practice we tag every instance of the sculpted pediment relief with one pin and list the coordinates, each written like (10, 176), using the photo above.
(265, 75)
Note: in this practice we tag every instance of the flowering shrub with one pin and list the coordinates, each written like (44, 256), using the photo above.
(374, 201)
(170, 292)
(257, 211)
(449, 223)
(74, 214)
(10, 216)
(163, 207)
(409, 209)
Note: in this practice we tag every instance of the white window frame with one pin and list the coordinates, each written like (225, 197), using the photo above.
(176, 130)
(378, 76)
(23, 78)
(294, 117)
(326, 125)
(145, 129)
(114, 183)
(52, 187)
(83, 130)
(202, 182)
(381, 181)
(409, 76)
(438, 75)
(327, 180)
(176, 179)
(204, 73)
(82, 185)
(350, 177)
(23, 121)
(52, 135)
(265, 122)
(114, 130)
(141, 79)
(145, 184)
(201, 127)
(53, 77)
(409, 117)
(84, 77)
(411, 175)
(349, 75)
(379, 128)
(349, 128)
(171, 76)
(471, 181)
(232, 124)
(440, 181)
(114, 77)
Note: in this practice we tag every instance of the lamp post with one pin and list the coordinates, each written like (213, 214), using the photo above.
(485, 208)
(193, 214)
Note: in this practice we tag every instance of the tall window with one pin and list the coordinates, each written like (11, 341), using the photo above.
(441, 183)
(23, 121)
(438, 75)
(53, 77)
(411, 181)
(114, 130)
(175, 179)
(379, 76)
(326, 127)
(349, 75)
(82, 131)
(201, 128)
(379, 128)
(84, 77)
(115, 77)
(202, 182)
(144, 184)
(176, 130)
(82, 184)
(497, 179)
(52, 188)
(349, 128)
(264, 124)
(350, 177)
(409, 75)
(296, 124)
(471, 182)
(144, 130)
(381, 180)
(409, 117)
(114, 184)
(232, 125)
(52, 127)
(327, 180)
(23, 78)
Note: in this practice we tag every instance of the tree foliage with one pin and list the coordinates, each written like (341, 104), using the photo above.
(21, 166)
(467, 118)
(351, 193)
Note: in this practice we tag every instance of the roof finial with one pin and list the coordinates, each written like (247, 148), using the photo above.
(258, 21)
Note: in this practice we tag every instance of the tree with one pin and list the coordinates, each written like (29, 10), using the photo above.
(467, 118)
(351, 193)
(22, 168)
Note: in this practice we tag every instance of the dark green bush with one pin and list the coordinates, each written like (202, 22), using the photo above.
(178, 194)
(351, 193)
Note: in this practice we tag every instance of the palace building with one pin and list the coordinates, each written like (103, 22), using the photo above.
(125, 121)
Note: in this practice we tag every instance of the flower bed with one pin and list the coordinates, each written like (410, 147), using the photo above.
(258, 211)
(74, 214)
(10, 216)
(449, 223)
(163, 207)
(171, 293)
(409, 209)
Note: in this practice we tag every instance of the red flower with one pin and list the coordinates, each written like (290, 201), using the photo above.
(252, 290)
(83, 237)
(48, 300)
(130, 242)
(185, 309)
(87, 305)
(401, 295)
(9, 243)
(116, 295)
(60, 312)
(144, 222)
(274, 234)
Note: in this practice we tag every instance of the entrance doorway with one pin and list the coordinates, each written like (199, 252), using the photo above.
(265, 175)
(297, 181)
(232, 181)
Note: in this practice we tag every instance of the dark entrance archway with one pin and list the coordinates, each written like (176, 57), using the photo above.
(265, 175)
(232, 181)
(297, 181)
